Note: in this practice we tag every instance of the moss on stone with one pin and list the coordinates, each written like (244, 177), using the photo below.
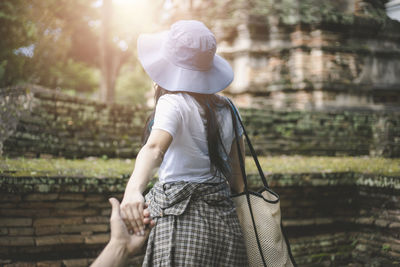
(122, 168)
(61, 167)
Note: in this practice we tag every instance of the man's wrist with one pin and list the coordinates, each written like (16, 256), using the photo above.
(118, 247)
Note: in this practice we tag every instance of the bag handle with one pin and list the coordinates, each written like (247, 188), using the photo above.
(253, 152)
(242, 168)
(235, 114)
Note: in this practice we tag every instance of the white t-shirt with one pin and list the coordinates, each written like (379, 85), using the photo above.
(187, 157)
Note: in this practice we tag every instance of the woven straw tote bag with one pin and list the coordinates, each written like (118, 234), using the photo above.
(260, 216)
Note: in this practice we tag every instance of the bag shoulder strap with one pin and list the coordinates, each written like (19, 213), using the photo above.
(242, 168)
(253, 152)
(235, 114)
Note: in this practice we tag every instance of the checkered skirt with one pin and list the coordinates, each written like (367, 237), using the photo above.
(196, 225)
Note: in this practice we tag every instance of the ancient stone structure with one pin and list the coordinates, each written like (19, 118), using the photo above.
(308, 54)
(43, 122)
(332, 219)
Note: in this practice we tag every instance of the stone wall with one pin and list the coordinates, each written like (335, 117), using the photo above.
(334, 133)
(331, 218)
(42, 122)
(55, 222)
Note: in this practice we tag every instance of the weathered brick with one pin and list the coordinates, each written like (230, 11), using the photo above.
(84, 228)
(57, 221)
(9, 198)
(21, 264)
(86, 233)
(76, 263)
(95, 198)
(2, 262)
(319, 221)
(75, 212)
(382, 223)
(49, 264)
(77, 196)
(47, 230)
(3, 231)
(16, 241)
(97, 239)
(24, 212)
(394, 225)
(58, 240)
(36, 205)
(8, 205)
(365, 220)
(23, 231)
(99, 204)
(69, 204)
(97, 219)
(106, 212)
(41, 197)
(16, 222)
(71, 239)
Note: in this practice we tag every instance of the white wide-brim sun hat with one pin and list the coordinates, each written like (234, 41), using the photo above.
(183, 59)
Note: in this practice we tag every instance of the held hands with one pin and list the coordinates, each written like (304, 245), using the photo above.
(119, 231)
(132, 211)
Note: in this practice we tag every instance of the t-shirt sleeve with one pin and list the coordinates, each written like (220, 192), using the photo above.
(167, 116)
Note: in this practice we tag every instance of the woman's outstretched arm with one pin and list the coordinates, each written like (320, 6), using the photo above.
(236, 180)
(148, 159)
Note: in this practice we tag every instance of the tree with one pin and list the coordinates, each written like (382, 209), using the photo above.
(111, 57)
(61, 43)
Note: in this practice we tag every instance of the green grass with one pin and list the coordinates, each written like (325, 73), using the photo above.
(88, 167)
(101, 168)
(297, 164)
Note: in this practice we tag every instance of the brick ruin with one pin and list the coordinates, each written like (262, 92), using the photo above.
(331, 219)
(39, 122)
(309, 54)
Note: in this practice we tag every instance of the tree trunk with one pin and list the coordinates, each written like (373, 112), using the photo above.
(107, 83)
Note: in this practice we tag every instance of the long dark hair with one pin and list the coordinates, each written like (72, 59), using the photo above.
(210, 103)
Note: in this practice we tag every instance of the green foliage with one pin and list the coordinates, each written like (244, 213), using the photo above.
(16, 31)
(291, 12)
(385, 247)
(132, 85)
(55, 44)
(75, 75)
(39, 44)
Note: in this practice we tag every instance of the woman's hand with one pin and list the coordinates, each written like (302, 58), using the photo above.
(132, 207)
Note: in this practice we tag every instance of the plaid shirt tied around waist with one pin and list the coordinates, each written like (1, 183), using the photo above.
(196, 226)
(173, 198)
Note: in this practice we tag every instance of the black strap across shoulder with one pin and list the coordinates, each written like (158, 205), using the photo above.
(235, 114)
(242, 168)
(252, 151)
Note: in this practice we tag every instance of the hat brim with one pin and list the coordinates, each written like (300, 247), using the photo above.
(176, 78)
